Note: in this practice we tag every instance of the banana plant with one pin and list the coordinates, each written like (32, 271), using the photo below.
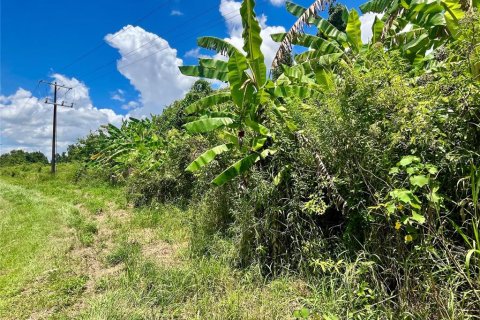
(329, 40)
(250, 110)
(416, 27)
(122, 148)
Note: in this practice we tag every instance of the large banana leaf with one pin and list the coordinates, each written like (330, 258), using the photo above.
(377, 30)
(453, 14)
(253, 41)
(207, 124)
(320, 45)
(329, 31)
(236, 169)
(379, 6)
(202, 72)
(278, 37)
(219, 45)
(218, 65)
(207, 157)
(416, 46)
(354, 32)
(295, 9)
(237, 65)
(323, 26)
(257, 127)
(325, 78)
(208, 102)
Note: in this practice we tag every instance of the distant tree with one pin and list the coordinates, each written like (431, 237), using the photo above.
(336, 12)
(36, 157)
(174, 116)
(16, 157)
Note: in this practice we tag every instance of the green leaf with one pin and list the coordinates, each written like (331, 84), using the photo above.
(329, 31)
(218, 65)
(416, 46)
(253, 41)
(207, 157)
(394, 170)
(324, 27)
(295, 9)
(207, 124)
(202, 72)
(325, 78)
(407, 160)
(418, 217)
(258, 143)
(281, 175)
(257, 127)
(431, 169)
(454, 13)
(468, 258)
(354, 32)
(377, 30)
(406, 197)
(378, 6)
(219, 45)
(278, 37)
(319, 44)
(237, 65)
(236, 169)
(208, 102)
(419, 181)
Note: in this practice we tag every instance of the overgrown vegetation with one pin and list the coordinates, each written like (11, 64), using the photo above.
(354, 168)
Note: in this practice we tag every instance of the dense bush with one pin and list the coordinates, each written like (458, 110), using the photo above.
(368, 158)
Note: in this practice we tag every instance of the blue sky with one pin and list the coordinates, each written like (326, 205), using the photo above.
(40, 39)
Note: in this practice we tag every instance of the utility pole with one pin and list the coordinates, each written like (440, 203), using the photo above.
(55, 105)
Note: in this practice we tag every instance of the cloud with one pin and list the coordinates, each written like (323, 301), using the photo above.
(278, 3)
(131, 105)
(153, 70)
(367, 21)
(235, 29)
(27, 121)
(195, 53)
(176, 13)
(118, 95)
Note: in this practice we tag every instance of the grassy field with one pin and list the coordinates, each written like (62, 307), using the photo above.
(77, 250)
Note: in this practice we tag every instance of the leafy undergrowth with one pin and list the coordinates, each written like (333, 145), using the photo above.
(76, 250)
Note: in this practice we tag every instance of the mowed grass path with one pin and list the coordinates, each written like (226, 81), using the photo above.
(33, 240)
(75, 250)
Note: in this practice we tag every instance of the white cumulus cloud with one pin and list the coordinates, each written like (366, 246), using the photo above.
(235, 29)
(367, 21)
(152, 70)
(26, 121)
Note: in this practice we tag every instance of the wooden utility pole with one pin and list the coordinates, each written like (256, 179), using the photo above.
(54, 134)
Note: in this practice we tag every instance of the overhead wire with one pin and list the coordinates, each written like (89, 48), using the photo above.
(158, 51)
(138, 49)
(102, 43)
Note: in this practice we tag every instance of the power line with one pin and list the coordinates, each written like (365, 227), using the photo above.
(131, 52)
(154, 53)
(102, 43)
(32, 93)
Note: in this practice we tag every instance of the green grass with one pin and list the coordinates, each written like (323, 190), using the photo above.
(76, 250)
(34, 240)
